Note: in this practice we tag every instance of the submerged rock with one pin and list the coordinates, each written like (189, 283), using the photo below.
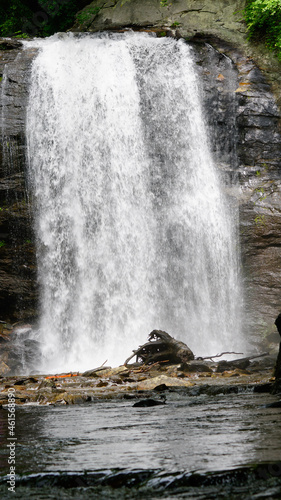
(145, 403)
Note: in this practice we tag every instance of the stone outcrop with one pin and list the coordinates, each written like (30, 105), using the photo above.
(189, 17)
(242, 89)
(222, 20)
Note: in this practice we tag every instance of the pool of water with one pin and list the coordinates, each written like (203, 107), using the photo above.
(199, 433)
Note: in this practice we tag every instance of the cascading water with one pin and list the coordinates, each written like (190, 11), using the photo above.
(133, 230)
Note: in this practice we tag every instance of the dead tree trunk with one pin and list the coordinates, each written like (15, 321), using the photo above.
(162, 347)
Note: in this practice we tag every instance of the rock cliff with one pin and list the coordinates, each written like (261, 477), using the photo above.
(17, 257)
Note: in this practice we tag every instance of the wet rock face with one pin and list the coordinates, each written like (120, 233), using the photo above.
(19, 352)
(17, 261)
(244, 127)
(243, 122)
(259, 150)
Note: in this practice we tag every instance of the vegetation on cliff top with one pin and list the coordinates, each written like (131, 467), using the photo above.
(45, 17)
(263, 19)
(37, 17)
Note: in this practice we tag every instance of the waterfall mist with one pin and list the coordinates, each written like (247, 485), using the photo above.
(133, 228)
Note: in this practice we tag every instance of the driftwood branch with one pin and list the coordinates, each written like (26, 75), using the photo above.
(218, 355)
(248, 358)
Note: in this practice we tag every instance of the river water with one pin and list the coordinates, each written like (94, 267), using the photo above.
(188, 434)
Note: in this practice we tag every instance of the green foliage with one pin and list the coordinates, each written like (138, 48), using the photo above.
(2, 244)
(263, 19)
(260, 220)
(60, 15)
(87, 14)
(19, 34)
(12, 14)
(23, 18)
(261, 192)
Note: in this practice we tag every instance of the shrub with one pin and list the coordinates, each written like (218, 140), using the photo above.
(263, 19)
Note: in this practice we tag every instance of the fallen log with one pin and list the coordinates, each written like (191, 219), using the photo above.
(162, 347)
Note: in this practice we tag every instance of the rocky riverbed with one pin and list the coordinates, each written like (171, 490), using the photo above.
(135, 382)
(20, 361)
(79, 435)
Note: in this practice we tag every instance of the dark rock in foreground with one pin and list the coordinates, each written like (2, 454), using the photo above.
(251, 481)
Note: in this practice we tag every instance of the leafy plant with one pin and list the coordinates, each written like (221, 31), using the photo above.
(263, 19)
(86, 14)
(12, 14)
(22, 18)
(259, 220)
(19, 34)
(261, 191)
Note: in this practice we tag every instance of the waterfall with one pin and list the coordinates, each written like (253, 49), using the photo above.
(133, 229)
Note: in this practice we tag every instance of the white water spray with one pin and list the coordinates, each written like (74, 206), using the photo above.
(133, 230)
